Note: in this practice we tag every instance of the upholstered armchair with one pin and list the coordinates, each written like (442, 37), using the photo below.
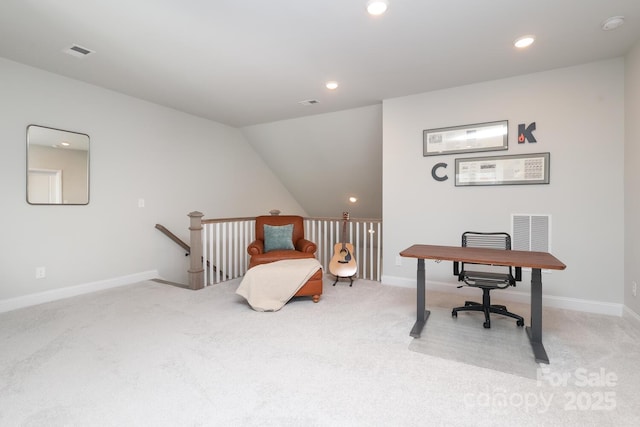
(280, 237)
(285, 240)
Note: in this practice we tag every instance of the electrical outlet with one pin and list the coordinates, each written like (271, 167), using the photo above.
(141, 203)
(634, 288)
(398, 260)
(41, 272)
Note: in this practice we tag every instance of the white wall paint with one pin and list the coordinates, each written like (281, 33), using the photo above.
(178, 163)
(326, 158)
(580, 121)
(632, 177)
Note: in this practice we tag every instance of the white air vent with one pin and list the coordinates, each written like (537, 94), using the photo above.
(531, 232)
(309, 102)
(78, 51)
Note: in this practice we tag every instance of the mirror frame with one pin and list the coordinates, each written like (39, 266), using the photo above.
(54, 142)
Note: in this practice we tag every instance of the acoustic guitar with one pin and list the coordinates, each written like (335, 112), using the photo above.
(343, 262)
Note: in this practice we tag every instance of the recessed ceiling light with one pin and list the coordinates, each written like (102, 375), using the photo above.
(377, 7)
(332, 85)
(353, 199)
(524, 41)
(65, 143)
(612, 23)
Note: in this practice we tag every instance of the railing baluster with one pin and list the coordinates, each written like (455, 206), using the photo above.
(379, 257)
(235, 243)
(371, 234)
(218, 266)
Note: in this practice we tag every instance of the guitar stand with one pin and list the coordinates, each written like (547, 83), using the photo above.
(345, 277)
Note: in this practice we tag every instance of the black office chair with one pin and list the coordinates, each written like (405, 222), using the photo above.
(487, 278)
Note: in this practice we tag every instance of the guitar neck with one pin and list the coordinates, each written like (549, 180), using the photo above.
(344, 233)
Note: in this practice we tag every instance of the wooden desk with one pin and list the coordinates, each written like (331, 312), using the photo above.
(534, 260)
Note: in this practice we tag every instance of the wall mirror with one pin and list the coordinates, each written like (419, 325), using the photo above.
(57, 166)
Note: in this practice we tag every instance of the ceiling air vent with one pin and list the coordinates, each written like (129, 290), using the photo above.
(78, 51)
(309, 102)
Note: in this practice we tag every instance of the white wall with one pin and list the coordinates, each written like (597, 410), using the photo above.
(632, 177)
(579, 113)
(178, 163)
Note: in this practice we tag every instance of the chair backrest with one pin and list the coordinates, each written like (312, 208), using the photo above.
(496, 240)
(490, 240)
(297, 221)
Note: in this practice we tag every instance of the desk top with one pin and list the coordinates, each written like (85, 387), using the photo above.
(513, 258)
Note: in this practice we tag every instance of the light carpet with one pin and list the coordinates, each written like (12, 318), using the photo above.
(156, 355)
(504, 347)
(583, 348)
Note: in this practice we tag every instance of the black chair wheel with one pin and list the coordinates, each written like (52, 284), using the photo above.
(454, 314)
(486, 325)
(520, 323)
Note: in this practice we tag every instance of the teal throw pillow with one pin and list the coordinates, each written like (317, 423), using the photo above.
(278, 237)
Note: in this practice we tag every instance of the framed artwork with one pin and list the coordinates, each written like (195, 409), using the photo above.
(503, 170)
(489, 136)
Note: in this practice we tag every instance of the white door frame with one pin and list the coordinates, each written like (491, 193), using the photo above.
(44, 186)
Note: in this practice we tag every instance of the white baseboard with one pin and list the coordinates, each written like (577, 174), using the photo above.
(71, 291)
(575, 304)
(629, 312)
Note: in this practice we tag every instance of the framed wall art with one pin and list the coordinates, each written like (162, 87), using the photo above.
(489, 136)
(503, 170)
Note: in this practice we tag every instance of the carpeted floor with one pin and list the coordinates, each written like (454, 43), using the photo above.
(152, 354)
(505, 347)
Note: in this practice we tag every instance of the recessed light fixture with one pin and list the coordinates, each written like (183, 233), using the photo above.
(377, 7)
(353, 199)
(65, 144)
(612, 23)
(332, 85)
(524, 41)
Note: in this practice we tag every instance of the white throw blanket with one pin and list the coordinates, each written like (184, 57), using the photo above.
(268, 287)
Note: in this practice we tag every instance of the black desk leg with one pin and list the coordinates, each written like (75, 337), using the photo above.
(535, 331)
(421, 314)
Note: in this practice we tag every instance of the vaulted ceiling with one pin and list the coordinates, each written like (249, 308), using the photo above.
(244, 62)
(249, 63)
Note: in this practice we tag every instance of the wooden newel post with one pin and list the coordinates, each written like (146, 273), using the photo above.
(196, 270)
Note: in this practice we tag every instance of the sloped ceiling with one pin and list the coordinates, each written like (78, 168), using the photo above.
(247, 62)
(325, 159)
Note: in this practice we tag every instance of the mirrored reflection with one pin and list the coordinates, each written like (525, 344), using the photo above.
(57, 167)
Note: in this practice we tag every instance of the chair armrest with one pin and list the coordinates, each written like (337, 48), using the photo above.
(304, 245)
(256, 247)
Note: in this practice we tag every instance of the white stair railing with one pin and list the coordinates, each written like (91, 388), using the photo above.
(223, 246)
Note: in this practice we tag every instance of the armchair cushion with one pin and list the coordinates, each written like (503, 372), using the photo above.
(278, 237)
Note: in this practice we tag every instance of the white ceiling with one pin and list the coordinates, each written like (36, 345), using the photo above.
(243, 62)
